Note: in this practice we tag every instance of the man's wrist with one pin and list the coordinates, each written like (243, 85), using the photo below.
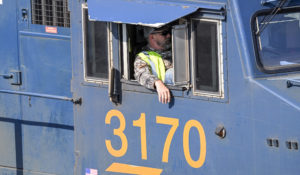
(157, 83)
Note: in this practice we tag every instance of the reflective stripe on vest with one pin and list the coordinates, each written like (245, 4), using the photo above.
(155, 61)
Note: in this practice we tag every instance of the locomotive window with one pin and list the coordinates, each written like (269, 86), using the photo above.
(50, 12)
(132, 43)
(277, 41)
(203, 44)
(207, 67)
(96, 39)
(134, 40)
(180, 54)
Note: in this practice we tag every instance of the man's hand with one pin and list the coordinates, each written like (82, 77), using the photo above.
(163, 92)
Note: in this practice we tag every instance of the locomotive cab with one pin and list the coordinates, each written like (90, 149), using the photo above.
(197, 51)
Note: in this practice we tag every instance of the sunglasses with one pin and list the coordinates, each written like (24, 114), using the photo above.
(164, 32)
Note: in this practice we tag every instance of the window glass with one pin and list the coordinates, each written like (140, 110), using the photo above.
(180, 54)
(206, 71)
(50, 12)
(96, 48)
(278, 41)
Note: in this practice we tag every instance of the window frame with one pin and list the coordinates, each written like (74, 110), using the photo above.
(256, 42)
(218, 17)
(186, 81)
(124, 53)
(90, 79)
(133, 85)
(221, 93)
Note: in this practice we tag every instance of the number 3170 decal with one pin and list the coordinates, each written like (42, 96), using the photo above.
(141, 123)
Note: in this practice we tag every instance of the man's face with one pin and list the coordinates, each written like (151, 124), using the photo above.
(163, 39)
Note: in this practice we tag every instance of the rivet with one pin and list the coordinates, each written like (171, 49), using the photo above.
(221, 131)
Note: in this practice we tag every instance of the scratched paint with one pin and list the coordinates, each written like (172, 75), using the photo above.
(0, 2)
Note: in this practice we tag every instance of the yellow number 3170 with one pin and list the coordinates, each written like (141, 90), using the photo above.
(141, 123)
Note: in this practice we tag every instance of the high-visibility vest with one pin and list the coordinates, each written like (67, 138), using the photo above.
(156, 62)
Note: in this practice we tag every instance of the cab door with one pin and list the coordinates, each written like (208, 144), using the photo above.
(45, 63)
(36, 115)
(10, 81)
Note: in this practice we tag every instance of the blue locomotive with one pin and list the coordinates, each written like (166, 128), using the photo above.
(69, 102)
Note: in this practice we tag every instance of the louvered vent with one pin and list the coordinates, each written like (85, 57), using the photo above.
(50, 12)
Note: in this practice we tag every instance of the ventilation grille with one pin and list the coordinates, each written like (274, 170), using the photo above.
(50, 12)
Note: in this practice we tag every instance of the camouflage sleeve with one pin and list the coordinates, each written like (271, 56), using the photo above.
(142, 73)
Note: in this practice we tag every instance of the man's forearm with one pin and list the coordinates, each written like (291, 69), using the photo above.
(143, 74)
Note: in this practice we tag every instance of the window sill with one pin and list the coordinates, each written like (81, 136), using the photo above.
(133, 85)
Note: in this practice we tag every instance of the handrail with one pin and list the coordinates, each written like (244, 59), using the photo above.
(32, 94)
(291, 83)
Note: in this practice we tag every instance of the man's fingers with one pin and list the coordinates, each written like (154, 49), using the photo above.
(164, 97)
(168, 97)
(163, 92)
(160, 97)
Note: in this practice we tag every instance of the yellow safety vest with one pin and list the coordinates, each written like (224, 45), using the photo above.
(155, 61)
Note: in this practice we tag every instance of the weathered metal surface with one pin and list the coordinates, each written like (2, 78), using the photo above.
(143, 12)
(37, 127)
(140, 135)
(256, 107)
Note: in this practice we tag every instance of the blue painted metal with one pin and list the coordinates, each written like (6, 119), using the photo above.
(36, 115)
(257, 106)
(143, 12)
(46, 67)
(9, 105)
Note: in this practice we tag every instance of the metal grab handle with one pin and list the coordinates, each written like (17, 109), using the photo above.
(114, 87)
(7, 76)
(291, 83)
(15, 77)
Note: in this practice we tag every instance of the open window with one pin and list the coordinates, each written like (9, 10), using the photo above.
(133, 40)
(196, 41)
(196, 48)
(196, 53)
(96, 36)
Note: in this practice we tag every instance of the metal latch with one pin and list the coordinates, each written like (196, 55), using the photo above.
(24, 14)
(7, 76)
(14, 76)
